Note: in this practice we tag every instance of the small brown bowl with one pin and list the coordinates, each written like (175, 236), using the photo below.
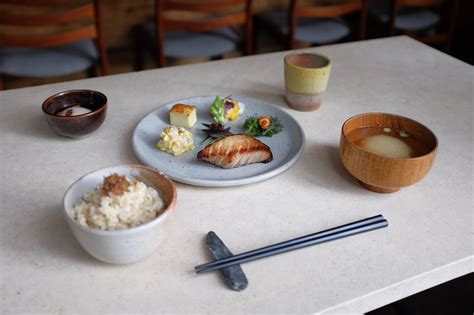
(77, 126)
(384, 174)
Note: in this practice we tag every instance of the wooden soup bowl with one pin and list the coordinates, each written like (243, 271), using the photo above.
(383, 174)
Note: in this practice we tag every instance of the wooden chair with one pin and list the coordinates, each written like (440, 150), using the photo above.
(316, 22)
(423, 20)
(209, 34)
(49, 38)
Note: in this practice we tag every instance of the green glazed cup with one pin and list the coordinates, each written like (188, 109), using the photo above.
(306, 79)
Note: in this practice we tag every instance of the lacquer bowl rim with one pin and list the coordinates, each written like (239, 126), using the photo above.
(420, 157)
(51, 99)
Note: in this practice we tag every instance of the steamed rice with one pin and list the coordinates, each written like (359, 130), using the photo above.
(137, 205)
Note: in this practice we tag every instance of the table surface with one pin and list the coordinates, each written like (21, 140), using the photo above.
(429, 239)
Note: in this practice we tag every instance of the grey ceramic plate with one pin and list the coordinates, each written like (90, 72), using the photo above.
(287, 146)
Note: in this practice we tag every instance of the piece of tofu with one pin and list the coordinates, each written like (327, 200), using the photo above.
(182, 115)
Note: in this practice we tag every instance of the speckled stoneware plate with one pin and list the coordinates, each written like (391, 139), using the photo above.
(287, 146)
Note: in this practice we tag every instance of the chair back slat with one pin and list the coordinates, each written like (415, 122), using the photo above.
(420, 3)
(209, 16)
(47, 40)
(34, 2)
(443, 31)
(211, 24)
(328, 11)
(325, 9)
(49, 23)
(202, 6)
(62, 17)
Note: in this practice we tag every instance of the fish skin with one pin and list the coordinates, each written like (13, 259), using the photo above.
(235, 151)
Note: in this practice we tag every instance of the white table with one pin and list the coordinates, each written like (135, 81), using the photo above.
(429, 240)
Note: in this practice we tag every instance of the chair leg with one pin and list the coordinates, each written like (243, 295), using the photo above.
(363, 20)
(161, 60)
(139, 48)
(256, 27)
(394, 4)
(447, 46)
(1, 83)
(139, 59)
(93, 71)
(249, 35)
(452, 24)
(214, 58)
(292, 25)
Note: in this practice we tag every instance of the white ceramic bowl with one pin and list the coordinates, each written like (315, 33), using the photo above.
(121, 246)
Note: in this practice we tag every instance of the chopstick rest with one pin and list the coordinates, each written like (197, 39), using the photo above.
(234, 276)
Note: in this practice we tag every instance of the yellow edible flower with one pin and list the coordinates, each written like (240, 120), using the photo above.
(231, 112)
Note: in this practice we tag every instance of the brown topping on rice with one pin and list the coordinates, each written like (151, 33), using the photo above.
(115, 185)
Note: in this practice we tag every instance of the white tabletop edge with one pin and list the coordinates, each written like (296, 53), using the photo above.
(404, 288)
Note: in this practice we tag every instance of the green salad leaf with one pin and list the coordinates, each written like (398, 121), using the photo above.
(218, 111)
(252, 127)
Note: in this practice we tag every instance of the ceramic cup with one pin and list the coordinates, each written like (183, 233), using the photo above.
(306, 78)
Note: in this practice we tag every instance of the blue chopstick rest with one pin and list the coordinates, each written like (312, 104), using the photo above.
(234, 276)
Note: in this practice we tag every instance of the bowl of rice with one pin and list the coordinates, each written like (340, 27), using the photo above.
(118, 214)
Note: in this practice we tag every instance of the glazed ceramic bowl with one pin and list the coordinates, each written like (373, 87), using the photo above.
(384, 174)
(121, 246)
(77, 126)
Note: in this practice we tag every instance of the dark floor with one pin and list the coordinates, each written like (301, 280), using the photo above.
(452, 297)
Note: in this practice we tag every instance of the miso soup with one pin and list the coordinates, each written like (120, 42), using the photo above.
(383, 141)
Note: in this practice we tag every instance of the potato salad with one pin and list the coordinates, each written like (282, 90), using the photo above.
(176, 140)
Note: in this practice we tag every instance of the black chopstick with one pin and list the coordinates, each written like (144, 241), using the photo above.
(353, 228)
(296, 240)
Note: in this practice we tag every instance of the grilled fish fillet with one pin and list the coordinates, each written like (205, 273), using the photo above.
(236, 150)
